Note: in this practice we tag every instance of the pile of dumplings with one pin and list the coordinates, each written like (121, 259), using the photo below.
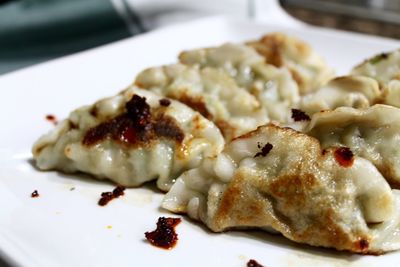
(258, 135)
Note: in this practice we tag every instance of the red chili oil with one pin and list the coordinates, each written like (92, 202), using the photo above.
(35, 194)
(108, 196)
(51, 118)
(253, 263)
(299, 115)
(264, 150)
(344, 156)
(164, 236)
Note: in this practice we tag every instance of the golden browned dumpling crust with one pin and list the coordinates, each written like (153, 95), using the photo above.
(278, 179)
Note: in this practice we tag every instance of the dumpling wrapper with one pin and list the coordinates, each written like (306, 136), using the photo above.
(295, 188)
(211, 92)
(308, 68)
(391, 93)
(385, 68)
(347, 91)
(237, 60)
(372, 133)
(273, 87)
(130, 138)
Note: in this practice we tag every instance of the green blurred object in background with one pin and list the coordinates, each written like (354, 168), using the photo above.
(33, 31)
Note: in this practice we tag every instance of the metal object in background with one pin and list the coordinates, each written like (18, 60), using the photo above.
(379, 10)
(378, 17)
(385, 4)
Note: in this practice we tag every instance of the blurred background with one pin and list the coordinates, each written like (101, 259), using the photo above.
(33, 31)
(377, 17)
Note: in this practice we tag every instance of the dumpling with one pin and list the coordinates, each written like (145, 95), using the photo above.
(280, 180)
(235, 59)
(277, 69)
(212, 92)
(372, 133)
(273, 87)
(308, 68)
(383, 67)
(348, 91)
(131, 138)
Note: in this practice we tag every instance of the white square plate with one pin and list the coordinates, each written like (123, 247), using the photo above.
(66, 227)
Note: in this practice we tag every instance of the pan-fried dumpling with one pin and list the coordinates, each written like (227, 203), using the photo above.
(236, 59)
(277, 179)
(372, 133)
(133, 137)
(346, 91)
(211, 92)
(383, 67)
(306, 66)
(274, 87)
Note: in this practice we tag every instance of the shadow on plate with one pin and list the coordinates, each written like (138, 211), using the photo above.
(90, 180)
(302, 249)
(278, 240)
(4, 263)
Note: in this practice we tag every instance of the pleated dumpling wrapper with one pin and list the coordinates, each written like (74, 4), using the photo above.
(346, 91)
(385, 68)
(273, 87)
(211, 92)
(131, 138)
(281, 180)
(372, 133)
(307, 67)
